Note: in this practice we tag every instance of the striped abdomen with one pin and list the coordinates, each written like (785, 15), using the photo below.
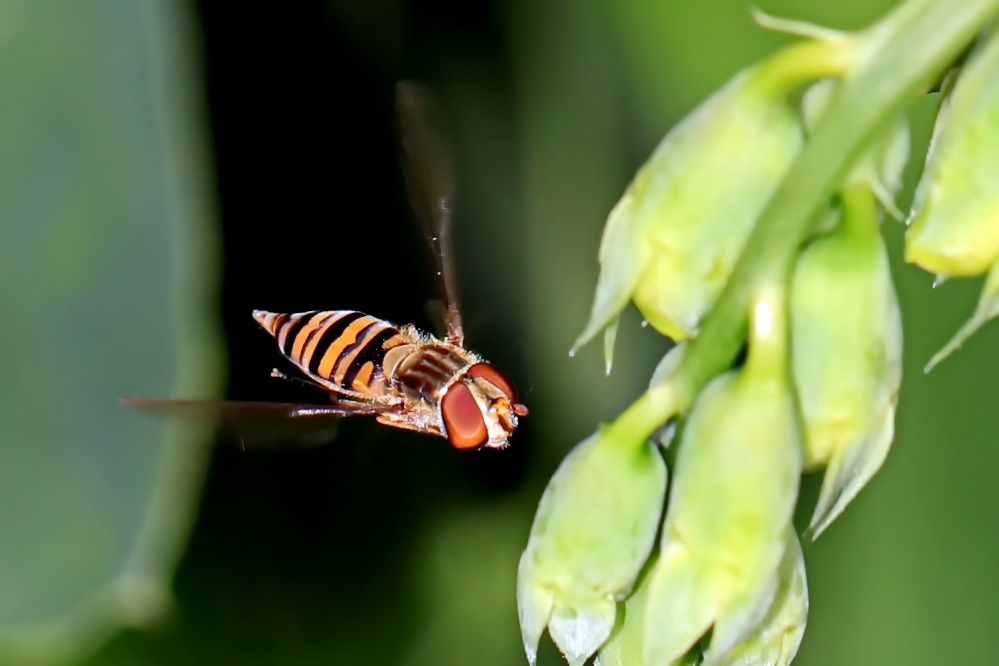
(343, 350)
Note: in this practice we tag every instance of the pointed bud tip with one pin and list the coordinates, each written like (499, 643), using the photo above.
(580, 630)
(584, 338)
(794, 27)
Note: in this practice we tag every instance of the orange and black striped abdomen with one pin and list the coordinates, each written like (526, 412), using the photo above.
(341, 349)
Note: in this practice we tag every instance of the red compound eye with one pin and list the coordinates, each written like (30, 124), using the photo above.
(491, 374)
(462, 418)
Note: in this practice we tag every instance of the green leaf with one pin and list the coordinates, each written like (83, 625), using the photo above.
(105, 290)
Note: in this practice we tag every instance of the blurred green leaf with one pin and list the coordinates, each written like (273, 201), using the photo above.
(100, 169)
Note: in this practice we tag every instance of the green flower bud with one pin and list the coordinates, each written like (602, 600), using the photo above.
(734, 488)
(954, 229)
(593, 531)
(846, 335)
(776, 640)
(672, 240)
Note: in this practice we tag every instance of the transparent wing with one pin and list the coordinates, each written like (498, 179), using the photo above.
(260, 424)
(430, 180)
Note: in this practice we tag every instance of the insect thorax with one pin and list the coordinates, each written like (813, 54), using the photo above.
(425, 372)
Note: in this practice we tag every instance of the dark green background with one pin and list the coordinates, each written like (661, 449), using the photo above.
(388, 547)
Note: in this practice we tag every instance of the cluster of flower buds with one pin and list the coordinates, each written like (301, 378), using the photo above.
(724, 582)
(672, 241)
(954, 227)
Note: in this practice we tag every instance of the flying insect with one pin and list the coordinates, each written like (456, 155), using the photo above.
(403, 377)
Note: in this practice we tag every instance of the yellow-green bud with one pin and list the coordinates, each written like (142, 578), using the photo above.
(734, 489)
(776, 640)
(593, 531)
(846, 337)
(954, 228)
(672, 240)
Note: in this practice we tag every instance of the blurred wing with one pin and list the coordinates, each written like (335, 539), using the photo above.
(430, 181)
(260, 423)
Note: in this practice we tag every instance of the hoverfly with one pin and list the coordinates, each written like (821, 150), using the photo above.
(405, 378)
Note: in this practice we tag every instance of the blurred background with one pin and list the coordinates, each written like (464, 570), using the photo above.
(167, 167)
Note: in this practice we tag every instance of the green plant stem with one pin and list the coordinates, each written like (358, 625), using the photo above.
(651, 410)
(901, 56)
(807, 61)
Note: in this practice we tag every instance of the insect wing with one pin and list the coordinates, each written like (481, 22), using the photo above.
(430, 181)
(260, 424)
